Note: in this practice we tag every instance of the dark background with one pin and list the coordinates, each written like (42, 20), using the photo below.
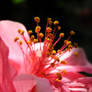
(72, 14)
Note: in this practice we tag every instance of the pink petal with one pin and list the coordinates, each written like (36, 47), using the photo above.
(71, 68)
(83, 84)
(43, 85)
(78, 63)
(8, 31)
(73, 59)
(7, 73)
(26, 83)
(85, 80)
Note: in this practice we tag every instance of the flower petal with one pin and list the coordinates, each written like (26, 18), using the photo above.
(26, 83)
(77, 62)
(8, 31)
(43, 85)
(7, 73)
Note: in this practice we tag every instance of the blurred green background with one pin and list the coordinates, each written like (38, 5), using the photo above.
(73, 14)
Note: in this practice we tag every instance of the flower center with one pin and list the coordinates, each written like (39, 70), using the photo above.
(42, 57)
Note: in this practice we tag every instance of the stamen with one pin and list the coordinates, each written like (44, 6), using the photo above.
(16, 39)
(35, 40)
(76, 53)
(61, 36)
(56, 22)
(20, 42)
(72, 33)
(37, 19)
(63, 62)
(59, 76)
(19, 30)
(64, 71)
(30, 32)
(48, 49)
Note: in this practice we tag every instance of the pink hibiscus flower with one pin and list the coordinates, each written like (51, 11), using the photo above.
(27, 66)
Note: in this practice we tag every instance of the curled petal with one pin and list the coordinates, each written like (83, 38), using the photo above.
(8, 31)
(7, 73)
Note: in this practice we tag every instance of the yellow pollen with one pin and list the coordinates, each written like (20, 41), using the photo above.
(57, 59)
(72, 33)
(59, 51)
(58, 80)
(58, 28)
(30, 32)
(56, 22)
(20, 42)
(52, 64)
(37, 29)
(54, 52)
(68, 42)
(32, 37)
(70, 46)
(64, 71)
(41, 35)
(48, 29)
(28, 42)
(35, 40)
(37, 19)
(49, 21)
(61, 35)
(65, 41)
(22, 32)
(48, 53)
(16, 38)
(76, 53)
(59, 76)
(19, 30)
(63, 62)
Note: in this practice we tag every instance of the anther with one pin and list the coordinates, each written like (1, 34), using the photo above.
(70, 46)
(64, 71)
(58, 28)
(37, 29)
(41, 35)
(54, 52)
(28, 42)
(63, 62)
(37, 19)
(57, 59)
(16, 38)
(59, 76)
(76, 53)
(56, 22)
(61, 35)
(30, 32)
(52, 64)
(22, 32)
(49, 21)
(48, 29)
(19, 30)
(72, 32)
(32, 37)
(20, 42)
(59, 51)
(35, 40)
(68, 43)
